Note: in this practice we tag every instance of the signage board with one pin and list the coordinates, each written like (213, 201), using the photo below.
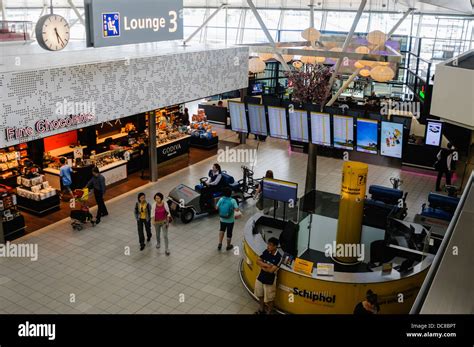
(303, 266)
(122, 22)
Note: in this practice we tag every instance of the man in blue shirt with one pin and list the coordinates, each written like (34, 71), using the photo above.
(65, 172)
(227, 207)
(265, 284)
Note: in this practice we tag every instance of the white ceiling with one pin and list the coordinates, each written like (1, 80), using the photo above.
(441, 7)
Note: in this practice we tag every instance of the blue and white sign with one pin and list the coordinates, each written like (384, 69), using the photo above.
(122, 22)
(111, 24)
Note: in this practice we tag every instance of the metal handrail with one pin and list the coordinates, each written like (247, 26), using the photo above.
(420, 298)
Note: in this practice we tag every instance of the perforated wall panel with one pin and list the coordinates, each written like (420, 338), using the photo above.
(118, 88)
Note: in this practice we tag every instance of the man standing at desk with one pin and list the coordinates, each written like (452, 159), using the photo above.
(97, 182)
(265, 284)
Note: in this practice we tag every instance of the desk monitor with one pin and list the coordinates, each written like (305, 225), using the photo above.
(238, 119)
(299, 126)
(257, 119)
(277, 122)
(367, 135)
(280, 190)
(391, 144)
(320, 129)
(433, 133)
(343, 132)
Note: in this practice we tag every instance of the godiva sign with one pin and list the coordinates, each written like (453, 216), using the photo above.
(122, 22)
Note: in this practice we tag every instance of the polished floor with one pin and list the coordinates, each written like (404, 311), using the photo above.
(91, 272)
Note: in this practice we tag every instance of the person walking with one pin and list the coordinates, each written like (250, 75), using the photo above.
(443, 165)
(97, 182)
(227, 207)
(161, 217)
(65, 172)
(142, 213)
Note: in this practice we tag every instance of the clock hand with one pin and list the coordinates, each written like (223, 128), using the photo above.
(60, 40)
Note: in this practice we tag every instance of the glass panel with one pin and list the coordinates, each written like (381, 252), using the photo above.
(270, 18)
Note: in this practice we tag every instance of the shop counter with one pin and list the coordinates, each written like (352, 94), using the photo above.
(58, 152)
(173, 149)
(114, 172)
(113, 137)
(80, 177)
(205, 143)
(337, 294)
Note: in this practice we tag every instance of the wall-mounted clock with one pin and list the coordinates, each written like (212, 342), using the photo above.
(52, 32)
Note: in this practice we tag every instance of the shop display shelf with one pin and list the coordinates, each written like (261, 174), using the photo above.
(39, 208)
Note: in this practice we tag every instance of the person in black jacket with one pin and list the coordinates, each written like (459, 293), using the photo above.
(97, 182)
(443, 165)
(369, 305)
(142, 214)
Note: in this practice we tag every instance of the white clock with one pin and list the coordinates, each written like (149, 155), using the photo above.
(52, 32)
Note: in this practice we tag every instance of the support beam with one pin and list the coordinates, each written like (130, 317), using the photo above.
(395, 27)
(343, 87)
(3, 9)
(311, 14)
(153, 151)
(203, 25)
(267, 34)
(76, 11)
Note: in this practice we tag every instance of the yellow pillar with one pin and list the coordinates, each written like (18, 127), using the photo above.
(351, 206)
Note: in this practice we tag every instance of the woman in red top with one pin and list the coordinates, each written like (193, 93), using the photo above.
(160, 218)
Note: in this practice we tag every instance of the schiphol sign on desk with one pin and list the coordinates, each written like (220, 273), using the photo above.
(122, 22)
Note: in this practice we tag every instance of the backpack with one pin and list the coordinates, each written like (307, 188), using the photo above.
(226, 208)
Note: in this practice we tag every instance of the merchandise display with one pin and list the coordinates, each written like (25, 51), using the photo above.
(35, 188)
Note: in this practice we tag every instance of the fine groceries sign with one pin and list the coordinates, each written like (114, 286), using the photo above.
(122, 22)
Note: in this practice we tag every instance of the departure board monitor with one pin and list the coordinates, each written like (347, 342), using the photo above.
(277, 122)
(320, 129)
(299, 126)
(238, 119)
(257, 119)
(367, 135)
(343, 132)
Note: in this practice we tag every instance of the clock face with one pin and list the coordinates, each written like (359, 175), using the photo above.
(52, 32)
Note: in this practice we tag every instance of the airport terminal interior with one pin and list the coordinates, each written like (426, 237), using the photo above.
(295, 156)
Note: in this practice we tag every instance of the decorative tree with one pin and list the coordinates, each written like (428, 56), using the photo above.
(310, 84)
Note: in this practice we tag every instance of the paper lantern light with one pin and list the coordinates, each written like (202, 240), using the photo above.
(382, 73)
(311, 34)
(364, 73)
(265, 56)
(362, 50)
(358, 65)
(367, 63)
(286, 58)
(376, 37)
(256, 65)
(297, 64)
(383, 63)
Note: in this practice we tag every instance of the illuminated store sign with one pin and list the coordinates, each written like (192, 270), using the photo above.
(43, 126)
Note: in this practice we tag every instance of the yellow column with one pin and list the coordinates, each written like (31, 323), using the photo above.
(351, 206)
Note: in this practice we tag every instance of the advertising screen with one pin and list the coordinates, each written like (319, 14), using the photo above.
(257, 119)
(391, 143)
(343, 132)
(320, 129)
(238, 119)
(277, 122)
(367, 135)
(280, 190)
(433, 133)
(299, 126)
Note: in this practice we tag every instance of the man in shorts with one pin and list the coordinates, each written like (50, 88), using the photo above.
(227, 207)
(265, 284)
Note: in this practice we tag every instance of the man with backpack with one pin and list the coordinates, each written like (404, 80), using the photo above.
(227, 207)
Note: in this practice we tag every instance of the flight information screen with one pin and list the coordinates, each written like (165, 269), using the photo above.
(277, 122)
(320, 129)
(238, 119)
(299, 125)
(257, 119)
(367, 136)
(343, 132)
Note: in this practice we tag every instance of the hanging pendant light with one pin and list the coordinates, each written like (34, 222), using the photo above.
(256, 65)
(382, 73)
(376, 37)
(364, 73)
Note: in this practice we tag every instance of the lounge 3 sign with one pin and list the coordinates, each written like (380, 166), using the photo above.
(121, 22)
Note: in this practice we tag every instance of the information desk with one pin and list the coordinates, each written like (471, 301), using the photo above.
(173, 149)
(337, 294)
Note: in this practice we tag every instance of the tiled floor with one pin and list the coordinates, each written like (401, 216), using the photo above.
(91, 272)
